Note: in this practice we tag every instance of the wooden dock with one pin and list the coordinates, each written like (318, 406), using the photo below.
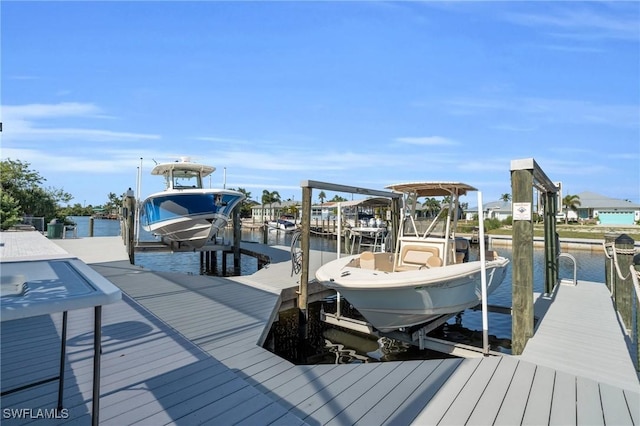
(186, 349)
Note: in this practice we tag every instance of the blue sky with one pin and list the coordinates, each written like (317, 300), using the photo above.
(356, 93)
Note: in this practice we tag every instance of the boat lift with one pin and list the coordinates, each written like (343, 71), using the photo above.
(418, 335)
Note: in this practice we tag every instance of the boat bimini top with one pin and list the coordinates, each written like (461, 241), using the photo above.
(414, 190)
(183, 174)
(432, 189)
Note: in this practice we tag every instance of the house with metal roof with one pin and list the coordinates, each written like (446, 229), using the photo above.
(608, 211)
(492, 210)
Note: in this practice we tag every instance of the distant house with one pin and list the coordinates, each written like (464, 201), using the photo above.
(608, 211)
(492, 210)
(265, 212)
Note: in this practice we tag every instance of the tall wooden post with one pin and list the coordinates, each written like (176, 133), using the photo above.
(130, 203)
(91, 222)
(522, 264)
(609, 269)
(624, 252)
(304, 246)
(552, 244)
(636, 270)
(265, 233)
(237, 236)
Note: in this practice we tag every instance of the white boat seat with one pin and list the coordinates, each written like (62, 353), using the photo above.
(367, 260)
(415, 256)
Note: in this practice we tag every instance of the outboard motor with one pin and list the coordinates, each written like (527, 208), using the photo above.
(462, 249)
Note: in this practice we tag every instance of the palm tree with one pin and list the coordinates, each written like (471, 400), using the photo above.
(570, 202)
(270, 198)
(505, 197)
(322, 196)
(245, 206)
(432, 206)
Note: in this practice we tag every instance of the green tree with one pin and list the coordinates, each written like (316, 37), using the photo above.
(23, 187)
(338, 199)
(245, 206)
(113, 203)
(431, 205)
(570, 202)
(322, 196)
(9, 211)
(505, 197)
(270, 198)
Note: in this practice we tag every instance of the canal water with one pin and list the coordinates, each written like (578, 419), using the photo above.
(336, 345)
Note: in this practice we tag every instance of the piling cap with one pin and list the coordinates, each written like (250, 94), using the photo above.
(624, 239)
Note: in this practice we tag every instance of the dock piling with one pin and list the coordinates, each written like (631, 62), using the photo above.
(623, 251)
(525, 175)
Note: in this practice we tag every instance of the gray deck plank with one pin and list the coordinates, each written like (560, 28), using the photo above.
(515, 401)
(413, 407)
(376, 395)
(589, 408)
(462, 407)
(633, 402)
(333, 402)
(302, 394)
(563, 404)
(418, 373)
(615, 406)
(560, 337)
(450, 390)
(539, 404)
(148, 372)
(492, 398)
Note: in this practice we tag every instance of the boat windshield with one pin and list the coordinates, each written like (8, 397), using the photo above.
(185, 179)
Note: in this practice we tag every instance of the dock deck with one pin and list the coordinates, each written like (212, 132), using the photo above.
(185, 349)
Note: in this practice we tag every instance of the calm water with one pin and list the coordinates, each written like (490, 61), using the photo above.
(590, 267)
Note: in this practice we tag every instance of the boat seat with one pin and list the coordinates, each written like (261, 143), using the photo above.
(490, 255)
(414, 256)
(367, 260)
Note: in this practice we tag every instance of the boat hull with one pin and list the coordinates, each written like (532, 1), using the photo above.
(282, 225)
(393, 300)
(192, 217)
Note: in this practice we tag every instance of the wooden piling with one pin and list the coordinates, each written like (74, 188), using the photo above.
(305, 246)
(129, 212)
(609, 269)
(91, 221)
(237, 236)
(623, 295)
(522, 264)
(552, 242)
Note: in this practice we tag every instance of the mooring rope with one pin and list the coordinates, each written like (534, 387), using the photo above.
(635, 274)
(615, 252)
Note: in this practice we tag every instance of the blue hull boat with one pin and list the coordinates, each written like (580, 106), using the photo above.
(186, 212)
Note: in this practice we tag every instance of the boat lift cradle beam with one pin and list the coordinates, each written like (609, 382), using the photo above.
(418, 337)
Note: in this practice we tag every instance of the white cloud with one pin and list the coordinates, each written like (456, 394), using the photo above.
(584, 23)
(25, 123)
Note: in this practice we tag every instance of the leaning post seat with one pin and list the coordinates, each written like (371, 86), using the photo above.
(415, 256)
